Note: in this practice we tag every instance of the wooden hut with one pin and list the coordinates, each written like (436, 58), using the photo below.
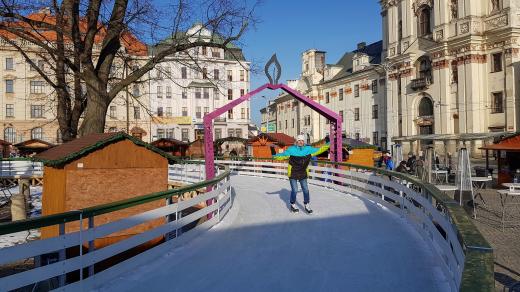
(196, 148)
(98, 169)
(507, 153)
(33, 146)
(5, 148)
(172, 146)
(231, 146)
(262, 143)
(354, 151)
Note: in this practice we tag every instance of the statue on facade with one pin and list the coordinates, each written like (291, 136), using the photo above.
(495, 4)
(454, 9)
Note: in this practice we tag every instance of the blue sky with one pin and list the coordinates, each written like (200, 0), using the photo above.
(290, 27)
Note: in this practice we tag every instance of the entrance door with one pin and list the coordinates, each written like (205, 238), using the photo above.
(199, 134)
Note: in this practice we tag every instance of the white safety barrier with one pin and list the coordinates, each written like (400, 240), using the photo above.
(52, 264)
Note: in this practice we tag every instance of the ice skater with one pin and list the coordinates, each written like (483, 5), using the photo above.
(299, 156)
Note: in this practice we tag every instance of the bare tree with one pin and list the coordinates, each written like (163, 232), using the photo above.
(82, 40)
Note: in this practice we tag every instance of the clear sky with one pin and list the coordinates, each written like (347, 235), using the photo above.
(290, 27)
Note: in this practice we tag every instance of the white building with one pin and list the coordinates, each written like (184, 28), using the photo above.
(190, 84)
(453, 71)
(354, 88)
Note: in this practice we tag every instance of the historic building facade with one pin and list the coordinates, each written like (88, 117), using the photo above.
(354, 87)
(28, 103)
(190, 84)
(452, 71)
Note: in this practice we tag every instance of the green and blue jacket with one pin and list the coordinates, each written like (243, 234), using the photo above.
(299, 158)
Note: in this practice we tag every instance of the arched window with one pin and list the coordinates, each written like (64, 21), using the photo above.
(425, 107)
(10, 135)
(37, 133)
(425, 69)
(424, 21)
(454, 9)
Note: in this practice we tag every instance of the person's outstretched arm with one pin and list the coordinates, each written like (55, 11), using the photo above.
(317, 151)
(284, 155)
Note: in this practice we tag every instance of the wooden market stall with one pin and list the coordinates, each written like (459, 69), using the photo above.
(5, 147)
(261, 144)
(98, 169)
(172, 146)
(507, 153)
(196, 148)
(354, 151)
(33, 146)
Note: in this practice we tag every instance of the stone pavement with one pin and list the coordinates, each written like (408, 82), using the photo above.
(506, 244)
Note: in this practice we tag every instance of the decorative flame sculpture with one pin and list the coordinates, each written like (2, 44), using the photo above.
(277, 70)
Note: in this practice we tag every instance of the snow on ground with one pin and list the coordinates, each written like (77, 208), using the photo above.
(35, 204)
(349, 244)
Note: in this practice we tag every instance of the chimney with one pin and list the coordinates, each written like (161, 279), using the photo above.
(361, 46)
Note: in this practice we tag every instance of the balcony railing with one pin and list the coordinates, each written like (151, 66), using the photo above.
(421, 83)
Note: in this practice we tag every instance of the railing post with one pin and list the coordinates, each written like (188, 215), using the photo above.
(62, 256)
(91, 246)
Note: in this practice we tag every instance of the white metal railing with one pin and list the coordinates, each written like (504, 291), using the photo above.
(20, 168)
(410, 202)
(51, 270)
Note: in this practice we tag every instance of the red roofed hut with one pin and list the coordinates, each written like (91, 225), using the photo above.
(172, 146)
(98, 169)
(262, 143)
(508, 155)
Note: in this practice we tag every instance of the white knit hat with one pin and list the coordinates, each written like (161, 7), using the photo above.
(300, 137)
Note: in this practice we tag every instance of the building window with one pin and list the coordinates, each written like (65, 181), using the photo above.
(495, 5)
(159, 73)
(374, 86)
(204, 73)
(238, 133)
(159, 91)
(136, 92)
(341, 115)
(216, 94)
(375, 111)
(340, 94)
(327, 97)
(216, 74)
(400, 30)
(169, 134)
(229, 75)
(356, 114)
(215, 53)
(292, 123)
(242, 75)
(159, 111)
(243, 113)
(286, 124)
(230, 114)
(425, 69)
(184, 111)
(184, 135)
(206, 110)
(205, 93)
(197, 93)
(36, 111)
(112, 113)
(218, 134)
(356, 136)
(198, 113)
(137, 113)
(399, 89)
(356, 90)
(184, 93)
(168, 92)
(307, 120)
(37, 133)
(9, 110)
(424, 21)
(496, 62)
(10, 135)
(37, 86)
(375, 138)
(168, 111)
(498, 103)
(230, 94)
(231, 132)
(242, 92)
(9, 64)
(454, 72)
(160, 133)
(184, 73)
(454, 9)
(425, 107)
(168, 72)
(9, 86)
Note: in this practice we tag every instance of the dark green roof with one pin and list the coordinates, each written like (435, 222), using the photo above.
(75, 149)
